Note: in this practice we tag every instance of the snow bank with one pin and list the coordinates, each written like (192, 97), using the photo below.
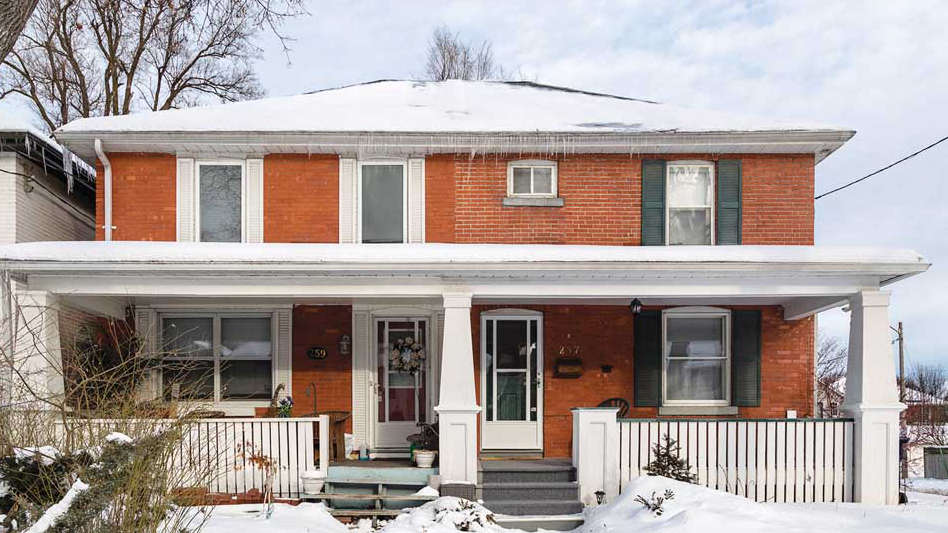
(697, 509)
(929, 485)
(444, 515)
(454, 106)
(302, 518)
(58, 509)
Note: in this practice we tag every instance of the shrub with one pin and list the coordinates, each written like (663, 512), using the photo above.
(654, 503)
(667, 462)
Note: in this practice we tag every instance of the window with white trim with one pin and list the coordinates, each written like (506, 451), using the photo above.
(696, 356)
(690, 202)
(220, 202)
(217, 357)
(383, 202)
(531, 179)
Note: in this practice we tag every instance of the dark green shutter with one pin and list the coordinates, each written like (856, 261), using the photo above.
(653, 202)
(647, 365)
(745, 358)
(729, 202)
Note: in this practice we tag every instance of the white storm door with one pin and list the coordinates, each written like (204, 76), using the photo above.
(512, 382)
(402, 395)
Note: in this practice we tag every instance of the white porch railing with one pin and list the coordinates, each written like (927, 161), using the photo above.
(766, 460)
(772, 460)
(219, 450)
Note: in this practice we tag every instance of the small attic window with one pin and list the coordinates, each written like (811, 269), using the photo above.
(531, 179)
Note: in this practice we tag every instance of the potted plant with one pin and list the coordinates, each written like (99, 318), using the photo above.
(424, 444)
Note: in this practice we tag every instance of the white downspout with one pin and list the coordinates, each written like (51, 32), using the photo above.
(107, 193)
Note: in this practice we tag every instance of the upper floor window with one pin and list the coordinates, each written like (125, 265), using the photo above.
(531, 179)
(696, 356)
(383, 202)
(220, 202)
(690, 205)
(217, 357)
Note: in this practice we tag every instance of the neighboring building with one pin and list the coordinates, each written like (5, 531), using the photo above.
(504, 227)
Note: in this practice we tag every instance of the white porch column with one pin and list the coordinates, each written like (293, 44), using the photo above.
(872, 400)
(457, 403)
(37, 354)
(596, 452)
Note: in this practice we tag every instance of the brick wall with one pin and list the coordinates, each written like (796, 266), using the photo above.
(602, 195)
(322, 325)
(301, 198)
(603, 336)
(143, 197)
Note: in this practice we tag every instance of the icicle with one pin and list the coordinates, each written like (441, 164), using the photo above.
(67, 168)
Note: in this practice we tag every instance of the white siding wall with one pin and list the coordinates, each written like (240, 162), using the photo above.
(8, 184)
(39, 215)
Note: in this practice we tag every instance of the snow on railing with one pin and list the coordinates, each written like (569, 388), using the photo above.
(772, 460)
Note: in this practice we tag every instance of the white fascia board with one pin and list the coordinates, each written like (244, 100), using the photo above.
(821, 143)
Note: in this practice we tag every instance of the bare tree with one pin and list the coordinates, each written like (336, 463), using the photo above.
(450, 58)
(82, 58)
(831, 358)
(13, 16)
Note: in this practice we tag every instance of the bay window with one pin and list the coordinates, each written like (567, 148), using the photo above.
(690, 212)
(217, 357)
(696, 356)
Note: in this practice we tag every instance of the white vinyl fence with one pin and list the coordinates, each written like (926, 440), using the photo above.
(772, 460)
(225, 453)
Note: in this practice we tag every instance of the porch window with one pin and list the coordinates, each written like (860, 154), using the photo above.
(382, 202)
(220, 202)
(531, 179)
(690, 203)
(217, 357)
(696, 353)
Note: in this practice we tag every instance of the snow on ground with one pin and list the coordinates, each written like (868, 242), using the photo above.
(929, 485)
(444, 515)
(302, 518)
(702, 510)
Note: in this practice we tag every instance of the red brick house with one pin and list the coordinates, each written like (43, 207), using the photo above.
(508, 228)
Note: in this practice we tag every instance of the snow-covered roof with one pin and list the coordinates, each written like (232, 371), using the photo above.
(11, 123)
(446, 106)
(463, 255)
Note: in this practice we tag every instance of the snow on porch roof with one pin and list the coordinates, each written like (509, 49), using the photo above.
(164, 256)
(454, 106)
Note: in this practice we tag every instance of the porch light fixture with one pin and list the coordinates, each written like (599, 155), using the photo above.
(344, 343)
(635, 306)
(600, 495)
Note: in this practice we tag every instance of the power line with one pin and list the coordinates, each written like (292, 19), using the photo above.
(887, 167)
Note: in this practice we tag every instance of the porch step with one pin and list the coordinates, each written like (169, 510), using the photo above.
(535, 507)
(539, 471)
(567, 522)
(548, 490)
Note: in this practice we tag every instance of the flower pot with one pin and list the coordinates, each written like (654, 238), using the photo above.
(313, 481)
(425, 458)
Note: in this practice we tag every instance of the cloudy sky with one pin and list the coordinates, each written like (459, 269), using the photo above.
(880, 68)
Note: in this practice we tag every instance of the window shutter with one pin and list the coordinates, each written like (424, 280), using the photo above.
(729, 202)
(254, 200)
(184, 200)
(282, 358)
(745, 358)
(348, 198)
(647, 359)
(653, 202)
(416, 200)
(146, 328)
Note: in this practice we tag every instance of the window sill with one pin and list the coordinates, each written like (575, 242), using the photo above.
(515, 201)
(697, 410)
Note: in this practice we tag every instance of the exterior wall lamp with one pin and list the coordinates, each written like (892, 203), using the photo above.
(344, 343)
(635, 306)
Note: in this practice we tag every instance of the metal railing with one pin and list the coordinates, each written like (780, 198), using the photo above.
(767, 460)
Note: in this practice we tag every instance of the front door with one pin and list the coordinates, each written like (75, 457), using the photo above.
(512, 382)
(403, 365)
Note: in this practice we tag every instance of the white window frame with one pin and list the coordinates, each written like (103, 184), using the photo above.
(243, 193)
(698, 312)
(532, 164)
(215, 317)
(712, 198)
(359, 206)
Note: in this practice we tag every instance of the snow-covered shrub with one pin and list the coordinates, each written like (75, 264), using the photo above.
(654, 503)
(667, 462)
(36, 478)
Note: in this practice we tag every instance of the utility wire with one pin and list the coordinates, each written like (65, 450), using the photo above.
(883, 169)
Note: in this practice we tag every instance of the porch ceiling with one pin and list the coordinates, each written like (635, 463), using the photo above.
(804, 279)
